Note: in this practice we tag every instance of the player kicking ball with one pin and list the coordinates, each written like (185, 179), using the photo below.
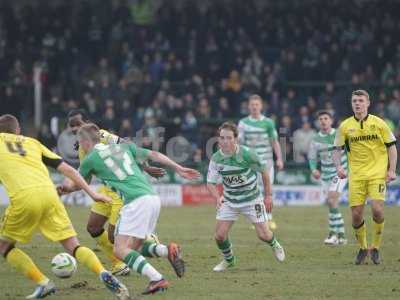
(321, 151)
(35, 205)
(237, 167)
(116, 166)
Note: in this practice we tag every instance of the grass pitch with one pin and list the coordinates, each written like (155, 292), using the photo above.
(312, 271)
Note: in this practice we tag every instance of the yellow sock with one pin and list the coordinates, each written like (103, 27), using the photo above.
(361, 235)
(24, 264)
(377, 231)
(106, 246)
(87, 257)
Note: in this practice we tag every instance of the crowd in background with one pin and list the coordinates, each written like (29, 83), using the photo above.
(187, 65)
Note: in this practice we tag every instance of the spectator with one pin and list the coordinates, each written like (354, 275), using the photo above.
(302, 138)
(285, 132)
(126, 129)
(303, 117)
(109, 119)
(10, 103)
(189, 127)
(68, 153)
(223, 110)
(105, 90)
(47, 138)
(394, 106)
(204, 110)
(185, 58)
(156, 67)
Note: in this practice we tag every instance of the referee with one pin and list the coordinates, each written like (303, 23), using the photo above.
(372, 158)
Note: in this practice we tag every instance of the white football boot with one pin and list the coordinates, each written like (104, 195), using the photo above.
(332, 240)
(223, 265)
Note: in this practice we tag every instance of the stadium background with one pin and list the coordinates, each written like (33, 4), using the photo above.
(186, 66)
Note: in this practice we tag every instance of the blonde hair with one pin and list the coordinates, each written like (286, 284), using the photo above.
(89, 132)
(360, 93)
(255, 97)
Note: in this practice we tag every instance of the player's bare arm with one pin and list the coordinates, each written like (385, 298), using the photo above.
(153, 171)
(267, 191)
(80, 183)
(313, 161)
(278, 153)
(215, 194)
(337, 154)
(187, 173)
(392, 153)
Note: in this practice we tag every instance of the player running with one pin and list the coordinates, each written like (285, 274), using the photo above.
(116, 166)
(372, 154)
(259, 134)
(321, 150)
(34, 204)
(102, 212)
(237, 167)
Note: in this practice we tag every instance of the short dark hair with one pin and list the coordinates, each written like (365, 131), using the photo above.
(90, 131)
(8, 124)
(76, 112)
(324, 112)
(229, 126)
(360, 93)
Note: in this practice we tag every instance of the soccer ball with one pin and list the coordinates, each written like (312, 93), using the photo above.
(63, 265)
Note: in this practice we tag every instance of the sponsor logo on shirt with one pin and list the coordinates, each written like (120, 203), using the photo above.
(237, 179)
(362, 138)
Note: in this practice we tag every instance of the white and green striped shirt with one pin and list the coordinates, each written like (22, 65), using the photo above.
(321, 149)
(257, 134)
(238, 173)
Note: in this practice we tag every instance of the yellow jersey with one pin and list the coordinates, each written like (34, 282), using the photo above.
(105, 138)
(23, 163)
(366, 142)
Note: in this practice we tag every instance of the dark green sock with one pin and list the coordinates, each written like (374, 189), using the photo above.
(226, 249)
(272, 242)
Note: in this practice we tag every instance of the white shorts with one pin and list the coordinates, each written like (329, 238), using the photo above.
(254, 212)
(335, 185)
(139, 218)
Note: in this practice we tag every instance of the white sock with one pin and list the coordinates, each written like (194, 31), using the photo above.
(161, 250)
(151, 273)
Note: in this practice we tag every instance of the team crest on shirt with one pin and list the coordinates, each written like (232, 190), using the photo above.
(372, 127)
(351, 130)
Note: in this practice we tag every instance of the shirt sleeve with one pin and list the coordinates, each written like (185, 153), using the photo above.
(241, 132)
(313, 156)
(387, 135)
(271, 130)
(213, 175)
(340, 138)
(255, 162)
(139, 153)
(49, 158)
